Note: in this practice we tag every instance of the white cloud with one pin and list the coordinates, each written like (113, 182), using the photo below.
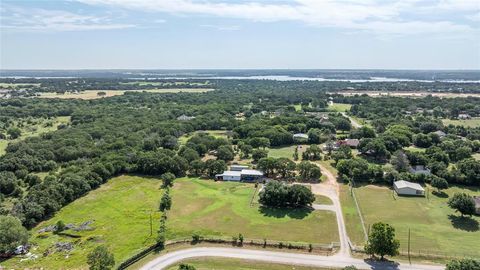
(384, 17)
(222, 27)
(42, 20)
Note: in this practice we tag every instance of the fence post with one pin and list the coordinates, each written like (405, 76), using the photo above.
(409, 246)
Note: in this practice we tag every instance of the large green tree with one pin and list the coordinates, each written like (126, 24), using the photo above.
(100, 259)
(12, 233)
(381, 241)
(463, 264)
(463, 203)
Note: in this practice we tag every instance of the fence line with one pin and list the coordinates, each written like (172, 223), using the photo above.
(352, 189)
(328, 248)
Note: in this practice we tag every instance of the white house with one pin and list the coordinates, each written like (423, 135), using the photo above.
(408, 188)
(464, 116)
(184, 117)
(300, 137)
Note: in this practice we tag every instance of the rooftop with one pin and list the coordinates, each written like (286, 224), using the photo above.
(404, 184)
(251, 172)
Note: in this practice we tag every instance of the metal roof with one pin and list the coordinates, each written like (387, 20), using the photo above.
(405, 184)
(251, 172)
(231, 173)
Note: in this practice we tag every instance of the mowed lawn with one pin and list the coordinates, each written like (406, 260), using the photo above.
(120, 211)
(223, 209)
(286, 151)
(238, 264)
(215, 133)
(435, 228)
(339, 107)
(474, 122)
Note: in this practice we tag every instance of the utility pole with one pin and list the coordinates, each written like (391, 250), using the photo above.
(151, 225)
(409, 246)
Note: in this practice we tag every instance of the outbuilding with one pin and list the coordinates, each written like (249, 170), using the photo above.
(408, 188)
(476, 199)
(238, 167)
(229, 176)
(251, 175)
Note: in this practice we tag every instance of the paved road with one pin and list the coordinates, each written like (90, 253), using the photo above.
(277, 257)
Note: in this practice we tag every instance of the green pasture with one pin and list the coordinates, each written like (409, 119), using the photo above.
(474, 122)
(339, 107)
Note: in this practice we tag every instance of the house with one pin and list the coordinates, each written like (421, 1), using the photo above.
(464, 116)
(408, 188)
(440, 133)
(419, 169)
(245, 175)
(184, 117)
(238, 168)
(300, 137)
(353, 143)
(476, 199)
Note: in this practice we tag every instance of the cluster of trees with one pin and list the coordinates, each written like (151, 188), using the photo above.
(285, 168)
(279, 194)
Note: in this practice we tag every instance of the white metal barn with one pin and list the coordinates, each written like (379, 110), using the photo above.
(408, 188)
(230, 176)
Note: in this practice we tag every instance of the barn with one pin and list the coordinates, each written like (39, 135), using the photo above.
(408, 188)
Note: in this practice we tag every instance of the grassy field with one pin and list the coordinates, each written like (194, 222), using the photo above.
(435, 228)
(286, 151)
(34, 128)
(93, 94)
(474, 122)
(17, 84)
(120, 210)
(476, 156)
(415, 149)
(215, 133)
(339, 107)
(223, 209)
(237, 264)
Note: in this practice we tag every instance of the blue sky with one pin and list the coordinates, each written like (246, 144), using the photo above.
(384, 34)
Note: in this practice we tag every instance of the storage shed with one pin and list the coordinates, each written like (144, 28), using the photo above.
(408, 188)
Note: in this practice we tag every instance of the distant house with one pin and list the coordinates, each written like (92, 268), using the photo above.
(419, 169)
(353, 143)
(464, 116)
(476, 199)
(440, 133)
(300, 137)
(408, 188)
(244, 175)
(184, 117)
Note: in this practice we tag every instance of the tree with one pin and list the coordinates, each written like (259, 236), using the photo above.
(278, 194)
(246, 150)
(197, 167)
(225, 152)
(343, 124)
(12, 233)
(101, 94)
(351, 267)
(184, 266)
(308, 171)
(295, 154)
(313, 152)
(463, 203)
(463, 264)
(400, 161)
(100, 259)
(343, 152)
(59, 226)
(167, 179)
(14, 132)
(439, 183)
(166, 201)
(214, 167)
(381, 241)
(257, 154)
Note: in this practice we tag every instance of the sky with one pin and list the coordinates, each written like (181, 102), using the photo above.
(224, 34)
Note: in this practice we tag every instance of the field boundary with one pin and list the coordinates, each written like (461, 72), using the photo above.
(352, 192)
(327, 249)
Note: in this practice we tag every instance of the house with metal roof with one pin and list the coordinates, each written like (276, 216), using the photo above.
(245, 175)
(408, 188)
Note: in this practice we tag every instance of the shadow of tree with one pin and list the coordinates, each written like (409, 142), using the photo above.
(440, 194)
(296, 213)
(376, 264)
(464, 223)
